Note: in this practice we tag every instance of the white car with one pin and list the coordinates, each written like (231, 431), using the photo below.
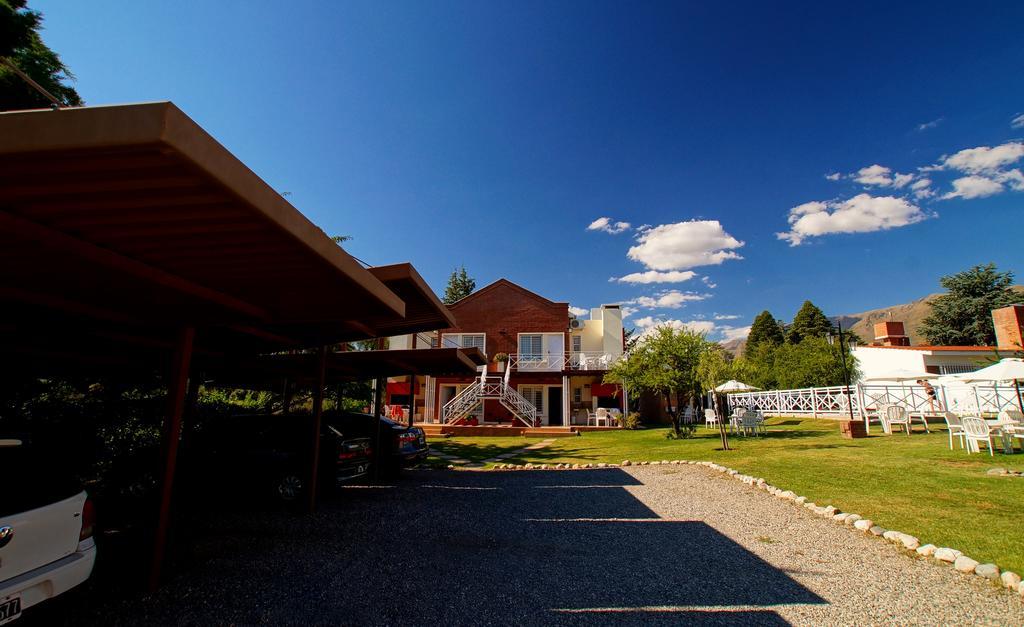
(46, 525)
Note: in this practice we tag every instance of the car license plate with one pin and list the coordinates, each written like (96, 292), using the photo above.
(10, 608)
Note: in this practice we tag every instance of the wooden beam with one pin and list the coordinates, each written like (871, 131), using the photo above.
(318, 410)
(177, 386)
(61, 241)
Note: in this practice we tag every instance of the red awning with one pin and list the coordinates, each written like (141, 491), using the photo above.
(398, 387)
(604, 389)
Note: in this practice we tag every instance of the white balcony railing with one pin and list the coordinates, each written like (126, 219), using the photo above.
(558, 362)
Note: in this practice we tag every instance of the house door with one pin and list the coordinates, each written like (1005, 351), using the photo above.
(554, 406)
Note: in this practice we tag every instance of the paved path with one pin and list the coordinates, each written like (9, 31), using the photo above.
(647, 545)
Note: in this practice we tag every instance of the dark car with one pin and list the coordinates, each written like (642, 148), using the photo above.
(401, 446)
(270, 455)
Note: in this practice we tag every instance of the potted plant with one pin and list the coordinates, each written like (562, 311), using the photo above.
(502, 360)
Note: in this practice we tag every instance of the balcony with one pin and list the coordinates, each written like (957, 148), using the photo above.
(554, 362)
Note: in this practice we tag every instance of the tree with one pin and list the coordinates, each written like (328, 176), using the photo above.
(630, 338)
(664, 362)
(963, 315)
(808, 322)
(340, 239)
(765, 329)
(460, 285)
(21, 44)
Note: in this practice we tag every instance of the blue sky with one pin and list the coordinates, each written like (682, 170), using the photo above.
(494, 134)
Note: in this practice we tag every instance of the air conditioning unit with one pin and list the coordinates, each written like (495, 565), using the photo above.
(575, 324)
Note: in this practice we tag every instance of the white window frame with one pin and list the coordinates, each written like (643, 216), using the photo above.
(458, 339)
(542, 361)
(577, 343)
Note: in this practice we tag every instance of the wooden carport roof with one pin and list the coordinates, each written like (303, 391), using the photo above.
(270, 370)
(135, 216)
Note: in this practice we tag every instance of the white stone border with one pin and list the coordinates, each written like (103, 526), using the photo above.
(938, 555)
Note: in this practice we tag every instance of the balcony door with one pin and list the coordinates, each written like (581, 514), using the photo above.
(541, 352)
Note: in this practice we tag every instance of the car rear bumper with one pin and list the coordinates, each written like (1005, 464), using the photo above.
(347, 473)
(55, 578)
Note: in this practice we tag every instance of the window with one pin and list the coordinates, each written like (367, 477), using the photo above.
(956, 368)
(531, 347)
(465, 340)
(577, 395)
(577, 343)
(534, 394)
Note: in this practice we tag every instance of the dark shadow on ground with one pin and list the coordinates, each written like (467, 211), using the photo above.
(461, 548)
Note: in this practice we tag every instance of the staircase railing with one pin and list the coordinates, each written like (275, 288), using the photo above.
(462, 405)
(489, 387)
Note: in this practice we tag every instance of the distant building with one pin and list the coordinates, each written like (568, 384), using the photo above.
(891, 349)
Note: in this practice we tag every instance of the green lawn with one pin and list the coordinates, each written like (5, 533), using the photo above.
(479, 449)
(916, 484)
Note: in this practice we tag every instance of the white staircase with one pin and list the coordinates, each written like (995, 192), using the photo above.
(489, 387)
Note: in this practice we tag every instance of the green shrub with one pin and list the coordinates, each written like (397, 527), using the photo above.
(631, 420)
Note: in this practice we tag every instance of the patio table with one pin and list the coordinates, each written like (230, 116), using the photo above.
(1004, 429)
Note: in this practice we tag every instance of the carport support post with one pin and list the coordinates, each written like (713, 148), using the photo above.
(412, 398)
(177, 385)
(378, 409)
(318, 412)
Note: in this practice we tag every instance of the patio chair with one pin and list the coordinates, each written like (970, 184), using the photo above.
(760, 421)
(977, 431)
(581, 361)
(1011, 415)
(749, 423)
(710, 418)
(601, 415)
(688, 415)
(736, 419)
(956, 428)
(896, 415)
(614, 417)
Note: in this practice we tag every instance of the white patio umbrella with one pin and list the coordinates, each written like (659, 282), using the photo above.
(733, 385)
(1008, 369)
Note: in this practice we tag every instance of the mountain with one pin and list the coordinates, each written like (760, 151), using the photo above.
(910, 314)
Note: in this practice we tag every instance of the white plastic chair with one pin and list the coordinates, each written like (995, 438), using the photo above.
(749, 423)
(977, 431)
(601, 416)
(956, 428)
(895, 415)
(1011, 415)
(710, 418)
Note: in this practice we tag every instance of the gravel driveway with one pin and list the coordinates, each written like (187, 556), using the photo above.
(646, 545)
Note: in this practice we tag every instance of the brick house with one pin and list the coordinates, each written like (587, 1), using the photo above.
(553, 372)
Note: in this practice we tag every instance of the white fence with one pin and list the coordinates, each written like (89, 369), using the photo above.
(831, 402)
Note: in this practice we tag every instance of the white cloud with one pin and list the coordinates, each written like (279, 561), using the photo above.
(669, 299)
(727, 316)
(1014, 178)
(628, 311)
(881, 176)
(863, 213)
(707, 281)
(922, 188)
(578, 311)
(874, 175)
(929, 125)
(900, 180)
(973, 186)
(684, 245)
(608, 226)
(1018, 122)
(734, 333)
(834, 176)
(983, 159)
(653, 276)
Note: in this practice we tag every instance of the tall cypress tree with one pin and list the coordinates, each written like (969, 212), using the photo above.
(765, 329)
(808, 322)
(460, 285)
(21, 44)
